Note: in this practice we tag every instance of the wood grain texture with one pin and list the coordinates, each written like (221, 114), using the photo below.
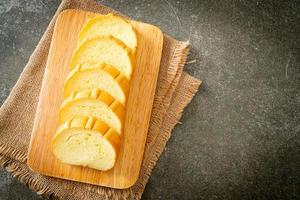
(139, 106)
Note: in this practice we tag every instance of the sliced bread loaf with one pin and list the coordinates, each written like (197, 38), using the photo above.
(109, 50)
(94, 103)
(106, 25)
(103, 76)
(86, 141)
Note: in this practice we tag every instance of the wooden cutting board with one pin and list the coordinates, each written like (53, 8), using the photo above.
(139, 106)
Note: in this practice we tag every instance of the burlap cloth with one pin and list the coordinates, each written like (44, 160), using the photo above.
(174, 91)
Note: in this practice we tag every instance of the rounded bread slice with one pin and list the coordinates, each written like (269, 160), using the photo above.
(109, 25)
(108, 50)
(103, 76)
(86, 141)
(94, 103)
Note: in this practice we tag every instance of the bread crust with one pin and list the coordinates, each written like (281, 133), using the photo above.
(96, 95)
(115, 74)
(87, 124)
(86, 31)
(118, 44)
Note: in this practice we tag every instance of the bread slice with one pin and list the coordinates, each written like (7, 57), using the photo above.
(102, 76)
(110, 24)
(88, 142)
(109, 50)
(96, 103)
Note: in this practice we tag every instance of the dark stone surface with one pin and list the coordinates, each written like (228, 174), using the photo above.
(239, 137)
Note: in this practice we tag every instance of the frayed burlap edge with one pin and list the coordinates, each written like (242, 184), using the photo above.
(13, 153)
(13, 167)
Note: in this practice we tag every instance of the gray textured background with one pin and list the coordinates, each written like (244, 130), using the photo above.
(239, 137)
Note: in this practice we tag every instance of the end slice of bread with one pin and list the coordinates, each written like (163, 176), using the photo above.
(86, 141)
(103, 76)
(96, 103)
(106, 25)
(109, 50)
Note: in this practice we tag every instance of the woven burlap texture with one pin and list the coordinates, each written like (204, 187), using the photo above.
(174, 91)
